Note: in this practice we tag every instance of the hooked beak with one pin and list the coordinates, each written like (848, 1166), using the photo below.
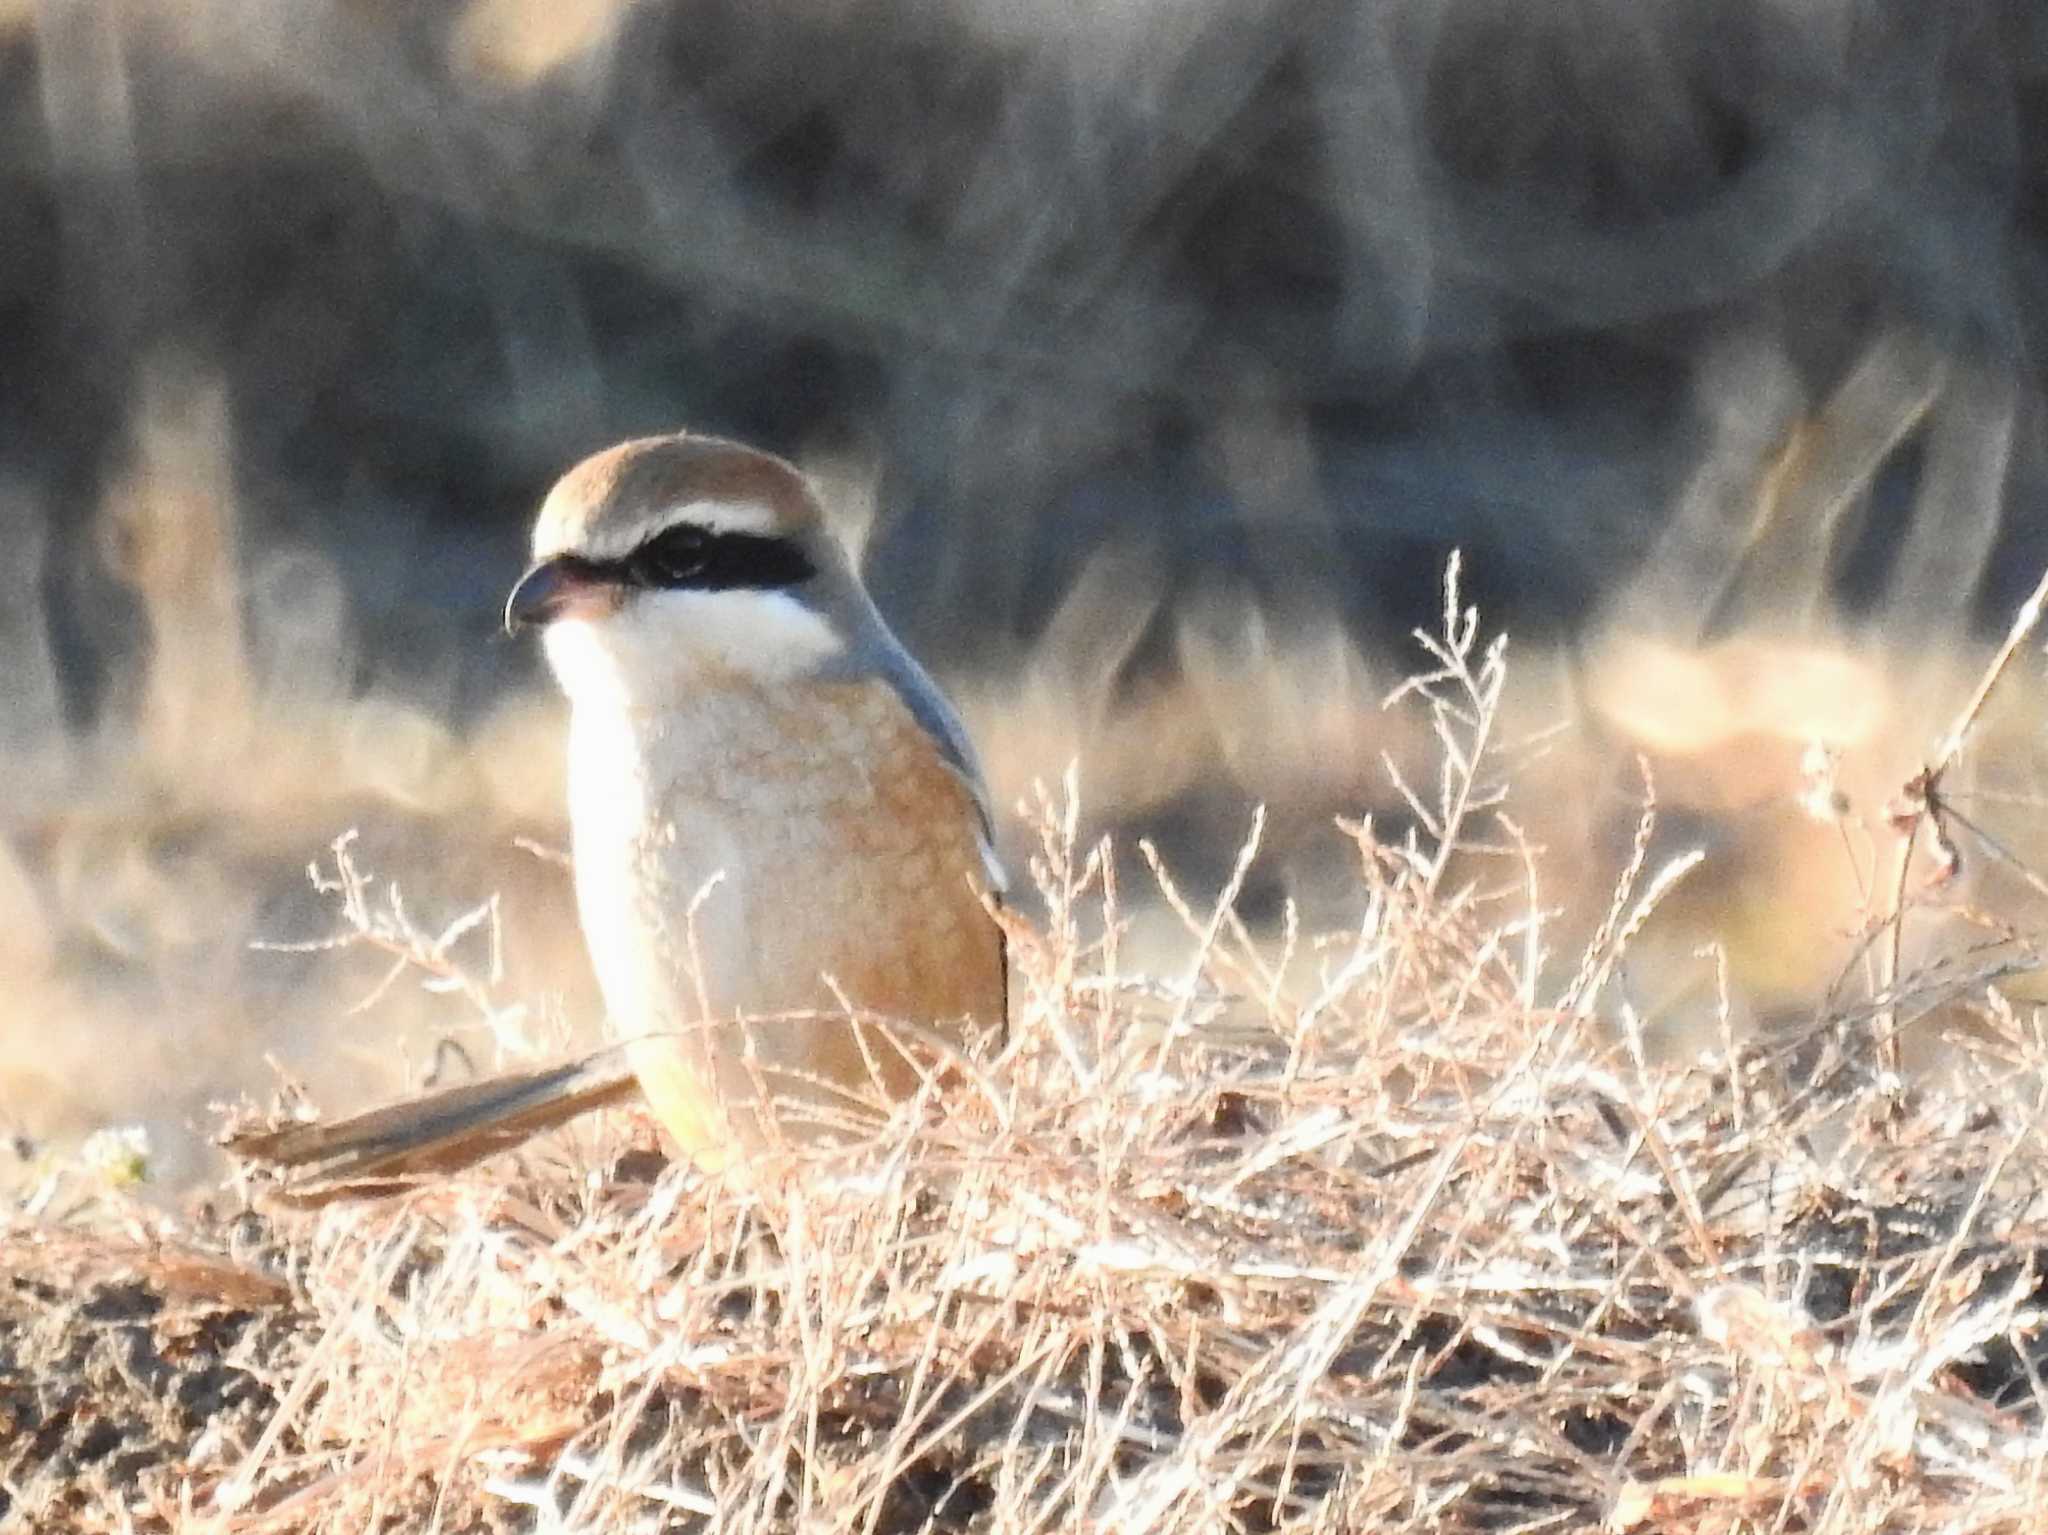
(566, 586)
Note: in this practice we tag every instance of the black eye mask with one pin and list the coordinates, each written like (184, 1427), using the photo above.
(690, 558)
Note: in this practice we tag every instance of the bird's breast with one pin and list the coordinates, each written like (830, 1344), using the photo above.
(764, 850)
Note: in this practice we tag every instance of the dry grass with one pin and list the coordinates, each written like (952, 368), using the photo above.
(1379, 1228)
(142, 855)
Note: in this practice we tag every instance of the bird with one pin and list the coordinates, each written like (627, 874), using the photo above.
(781, 839)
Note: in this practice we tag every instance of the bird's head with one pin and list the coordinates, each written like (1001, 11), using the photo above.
(667, 567)
(667, 564)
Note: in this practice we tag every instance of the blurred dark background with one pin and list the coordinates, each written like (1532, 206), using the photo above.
(1159, 350)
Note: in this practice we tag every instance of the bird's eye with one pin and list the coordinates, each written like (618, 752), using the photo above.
(687, 555)
(673, 558)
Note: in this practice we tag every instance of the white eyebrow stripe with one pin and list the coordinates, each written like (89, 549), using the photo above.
(712, 516)
(728, 517)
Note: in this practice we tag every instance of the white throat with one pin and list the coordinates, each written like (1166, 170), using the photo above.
(662, 648)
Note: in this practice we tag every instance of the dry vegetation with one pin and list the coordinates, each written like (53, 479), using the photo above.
(1430, 1179)
(1372, 1229)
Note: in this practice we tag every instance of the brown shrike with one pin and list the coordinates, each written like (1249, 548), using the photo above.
(781, 838)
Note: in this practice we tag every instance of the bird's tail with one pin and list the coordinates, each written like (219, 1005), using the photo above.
(390, 1149)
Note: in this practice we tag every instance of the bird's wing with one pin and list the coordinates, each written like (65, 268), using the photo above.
(935, 717)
